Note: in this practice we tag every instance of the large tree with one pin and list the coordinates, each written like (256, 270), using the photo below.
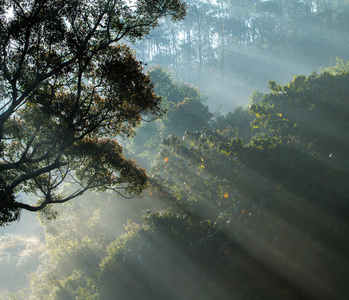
(68, 88)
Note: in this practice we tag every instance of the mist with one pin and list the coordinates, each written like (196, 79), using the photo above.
(247, 194)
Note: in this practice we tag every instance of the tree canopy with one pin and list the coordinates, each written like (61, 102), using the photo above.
(69, 88)
(280, 193)
(185, 111)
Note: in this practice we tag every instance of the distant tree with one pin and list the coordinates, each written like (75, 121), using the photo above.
(168, 88)
(69, 88)
(189, 114)
(185, 111)
(250, 41)
(240, 119)
(311, 112)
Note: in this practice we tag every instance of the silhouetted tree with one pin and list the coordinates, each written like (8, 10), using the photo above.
(69, 87)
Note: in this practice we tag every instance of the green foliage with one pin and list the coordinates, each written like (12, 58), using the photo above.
(9, 211)
(167, 257)
(339, 68)
(263, 216)
(240, 119)
(184, 104)
(77, 286)
(310, 112)
(189, 115)
(69, 87)
(283, 193)
(185, 111)
(75, 244)
(256, 97)
(170, 90)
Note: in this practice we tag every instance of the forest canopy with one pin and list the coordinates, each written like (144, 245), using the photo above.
(242, 202)
(257, 214)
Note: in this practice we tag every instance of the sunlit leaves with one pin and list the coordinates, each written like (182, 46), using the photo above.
(305, 109)
(233, 147)
(265, 142)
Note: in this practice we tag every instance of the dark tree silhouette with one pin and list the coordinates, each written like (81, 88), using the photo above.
(68, 88)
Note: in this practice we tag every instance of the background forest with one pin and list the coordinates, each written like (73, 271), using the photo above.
(248, 170)
(228, 48)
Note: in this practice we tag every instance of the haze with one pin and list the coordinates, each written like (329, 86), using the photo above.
(248, 170)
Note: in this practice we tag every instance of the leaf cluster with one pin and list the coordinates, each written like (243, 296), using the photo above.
(69, 89)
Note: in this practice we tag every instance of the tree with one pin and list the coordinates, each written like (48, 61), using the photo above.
(76, 242)
(170, 257)
(185, 110)
(69, 88)
(311, 112)
(240, 119)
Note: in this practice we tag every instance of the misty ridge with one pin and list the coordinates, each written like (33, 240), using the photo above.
(174, 150)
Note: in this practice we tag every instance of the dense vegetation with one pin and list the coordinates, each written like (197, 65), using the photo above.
(249, 212)
(250, 204)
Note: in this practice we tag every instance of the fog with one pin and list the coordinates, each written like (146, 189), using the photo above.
(247, 195)
(230, 48)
